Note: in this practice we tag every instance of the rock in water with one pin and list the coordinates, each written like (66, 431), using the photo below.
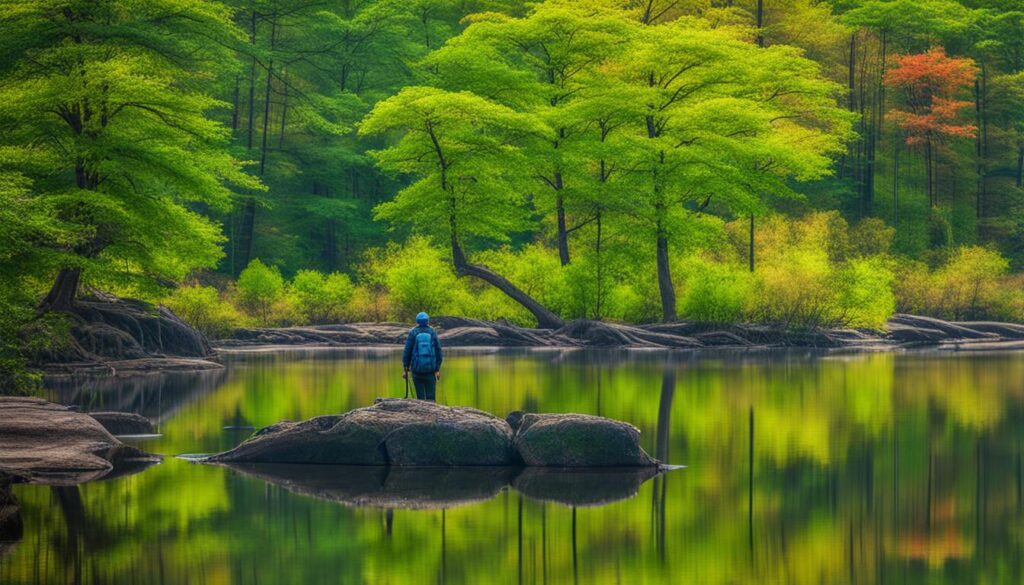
(475, 441)
(44, 442)
(392, 431)
(577, 440)
(124, 423)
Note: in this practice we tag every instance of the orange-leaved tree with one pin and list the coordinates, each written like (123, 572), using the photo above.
(931, 83)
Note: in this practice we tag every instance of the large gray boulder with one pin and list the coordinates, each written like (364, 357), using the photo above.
(46, 443)
(392, 431)
(576, 440)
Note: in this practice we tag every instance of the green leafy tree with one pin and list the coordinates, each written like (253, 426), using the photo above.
(319, 298)
(106, 109)
(463, 150)
(260, 288)
(724, 120)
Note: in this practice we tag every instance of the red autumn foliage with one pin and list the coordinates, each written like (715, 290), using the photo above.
(932, 81)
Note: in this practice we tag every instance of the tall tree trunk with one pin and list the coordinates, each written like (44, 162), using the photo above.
(247, 223)
(665, 286)
(284, 110)
(235, 104)
(895, 181)
(875, 131)
(599, 296)
(760, 43)
(266, 100)
(246, 228)
(1020, 166)
(63, 292)
(979, 166)
(563, 235)
(760, 23)
(750, 255)
(252, 84)
(929, 177)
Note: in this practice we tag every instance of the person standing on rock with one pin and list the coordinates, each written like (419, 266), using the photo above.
(422, 357)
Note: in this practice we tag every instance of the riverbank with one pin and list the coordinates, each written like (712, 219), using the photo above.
(902, 332)
(112, 337)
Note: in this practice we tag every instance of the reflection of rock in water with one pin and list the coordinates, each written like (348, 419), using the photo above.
(157, 396)
(582, 487)
(374, 486)
(11, 526)
(384, 487)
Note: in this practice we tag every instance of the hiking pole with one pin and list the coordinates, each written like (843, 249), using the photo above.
(406, 376)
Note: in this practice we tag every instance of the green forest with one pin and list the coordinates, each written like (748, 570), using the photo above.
(799, 163)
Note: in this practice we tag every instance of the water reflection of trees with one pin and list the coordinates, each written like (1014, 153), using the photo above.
(867, 469)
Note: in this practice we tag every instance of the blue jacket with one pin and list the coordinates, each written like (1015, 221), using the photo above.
(410, 341)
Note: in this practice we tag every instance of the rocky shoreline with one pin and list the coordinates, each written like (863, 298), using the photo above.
(47, 443)
(114, 337)
(902, 332)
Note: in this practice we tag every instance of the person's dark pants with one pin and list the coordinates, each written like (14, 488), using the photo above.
(426, 386)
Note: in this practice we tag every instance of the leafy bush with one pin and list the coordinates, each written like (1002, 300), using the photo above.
(203, 308)
(320, 299)
(417, 276)
(864, 296)
(794, 290)
(261, 291)
(970, 285)
(714, 292)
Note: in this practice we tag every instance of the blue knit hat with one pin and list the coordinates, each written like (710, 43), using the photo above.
(422, 318)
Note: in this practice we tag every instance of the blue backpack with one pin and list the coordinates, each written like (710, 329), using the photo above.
(423, 359)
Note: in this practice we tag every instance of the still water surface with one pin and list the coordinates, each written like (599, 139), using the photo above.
(874, 468)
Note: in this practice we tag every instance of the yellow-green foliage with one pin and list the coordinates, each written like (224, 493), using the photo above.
(971, 284)
(416, 276)
(814, 271)
(718, 292)
(318, 298)
(204, 309)
(810, 272)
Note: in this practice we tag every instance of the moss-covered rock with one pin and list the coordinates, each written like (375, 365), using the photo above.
(470, 442)
(577, 440)
(392, 431)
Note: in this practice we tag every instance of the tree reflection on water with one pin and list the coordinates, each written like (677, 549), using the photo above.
(800, 469)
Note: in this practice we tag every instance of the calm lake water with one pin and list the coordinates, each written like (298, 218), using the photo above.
(873, 468)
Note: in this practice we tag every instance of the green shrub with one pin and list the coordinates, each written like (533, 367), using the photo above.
(261, 292)
(864, 293)
(203, 308)
(795, 290)
(320, 299)
(417, 277)
(714, 292)
(971, 284)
